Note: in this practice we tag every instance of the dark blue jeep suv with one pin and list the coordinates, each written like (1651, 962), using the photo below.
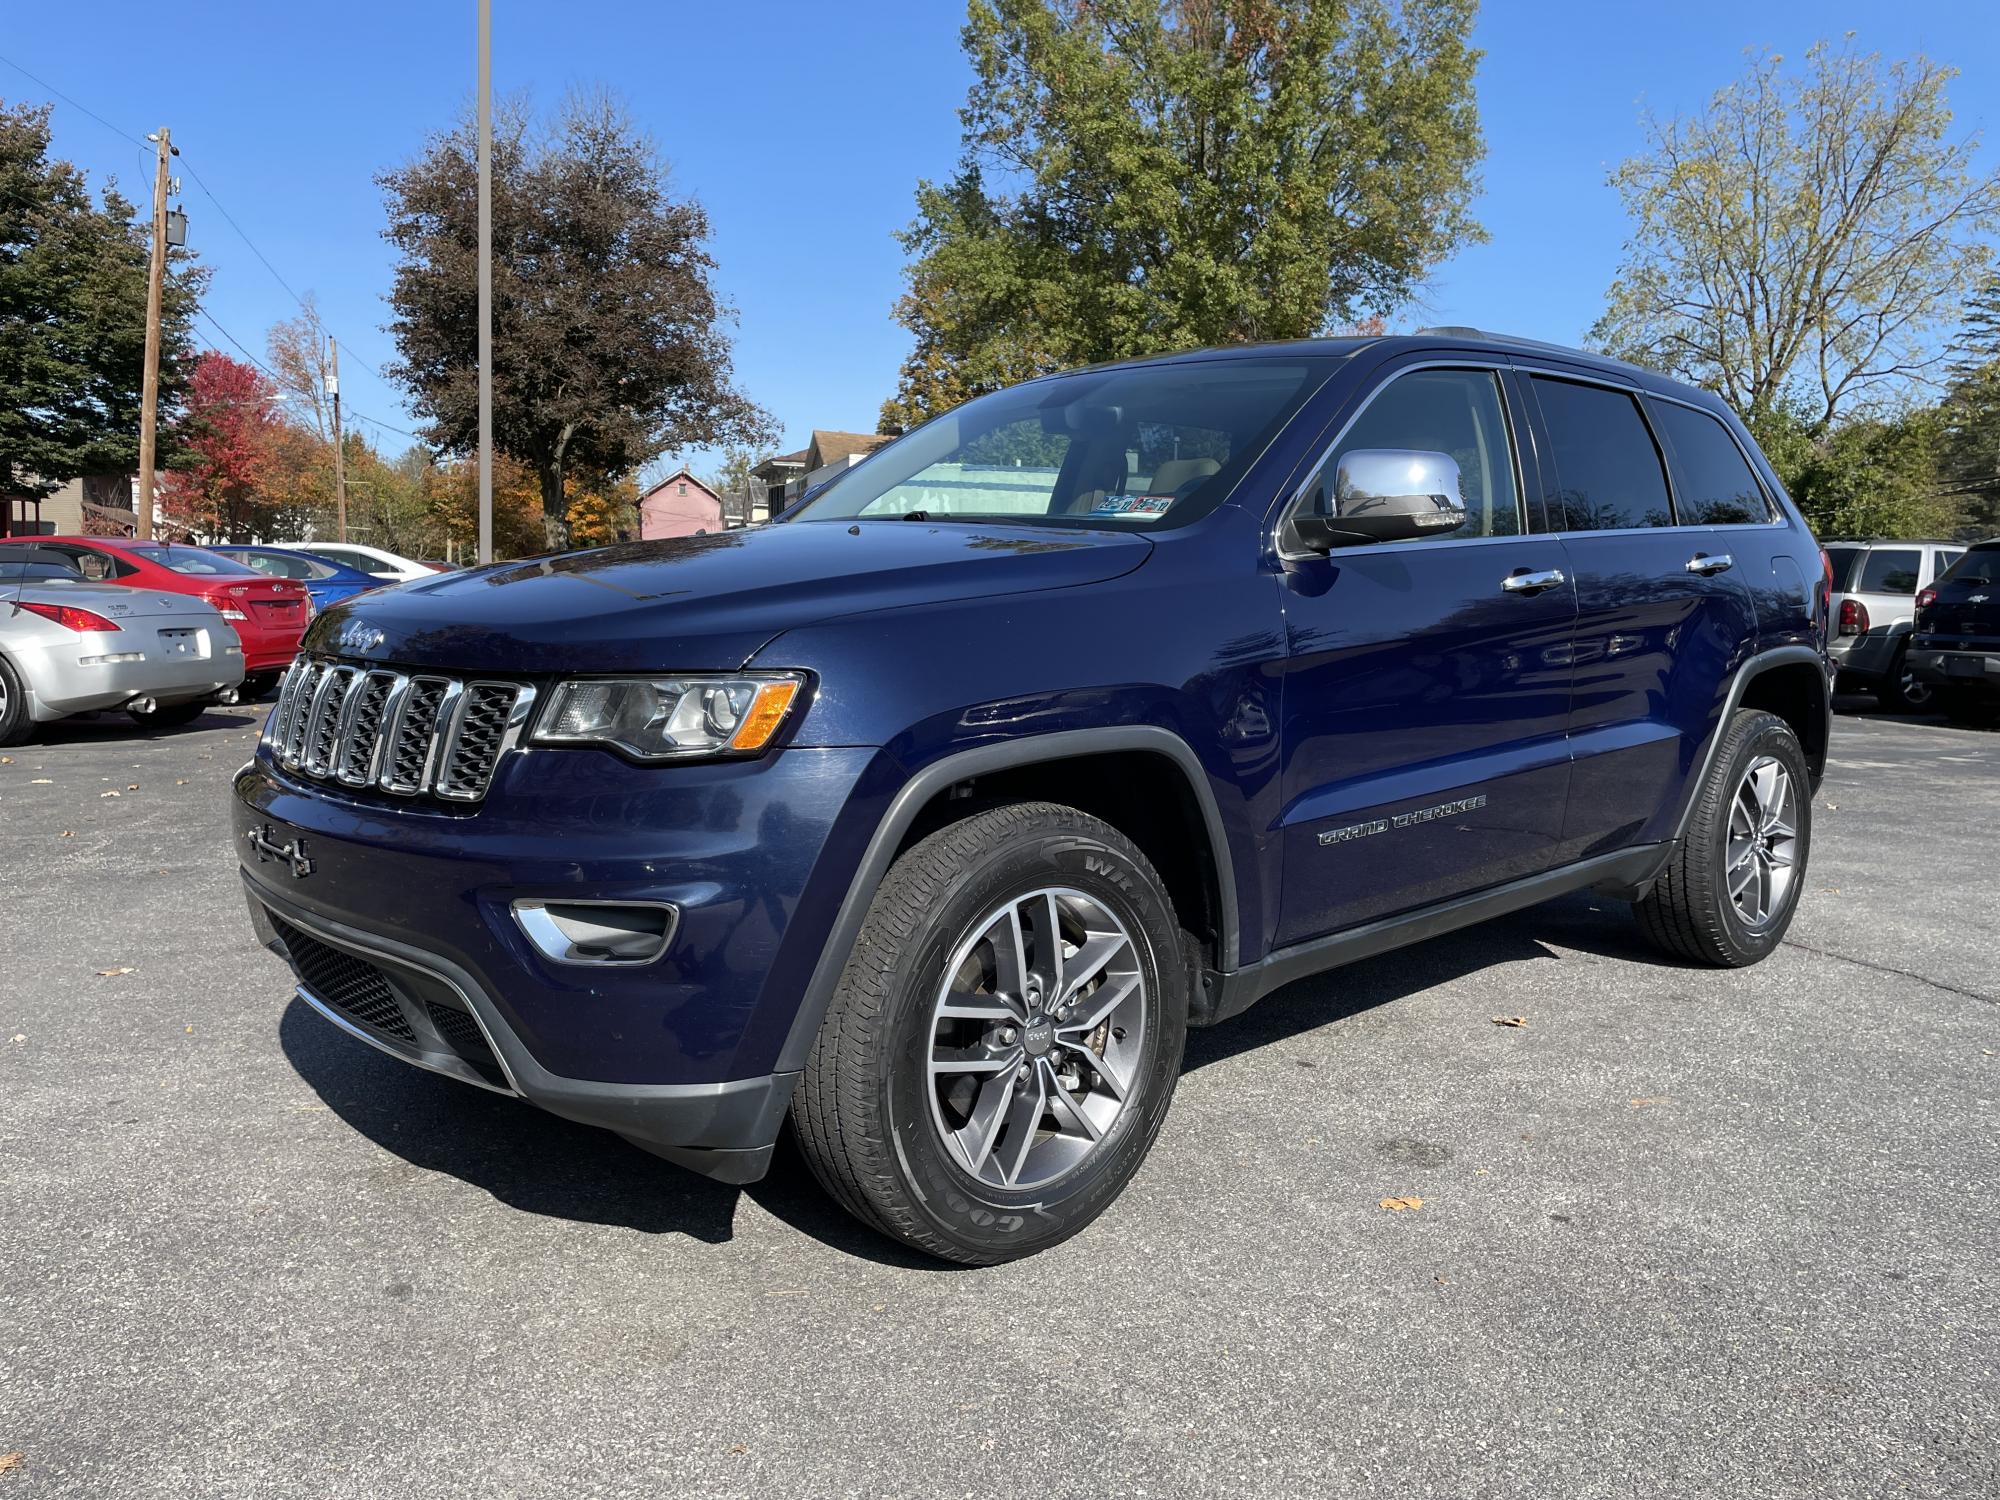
(932, 814)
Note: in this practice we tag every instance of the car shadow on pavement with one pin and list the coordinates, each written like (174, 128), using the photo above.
(540, 1163)
(1584, 923)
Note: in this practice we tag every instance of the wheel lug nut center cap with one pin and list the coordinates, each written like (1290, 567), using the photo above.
(1038, 1036)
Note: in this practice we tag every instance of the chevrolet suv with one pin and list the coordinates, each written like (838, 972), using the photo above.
(931, 815)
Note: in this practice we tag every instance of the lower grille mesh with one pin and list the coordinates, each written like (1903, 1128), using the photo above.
(352, 986)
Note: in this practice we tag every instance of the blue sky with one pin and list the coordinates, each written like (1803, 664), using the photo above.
(803, 128)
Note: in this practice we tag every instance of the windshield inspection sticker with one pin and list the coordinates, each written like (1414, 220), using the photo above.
(1133, 507)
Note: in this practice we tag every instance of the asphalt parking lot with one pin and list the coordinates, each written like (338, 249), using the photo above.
(1684, 1233)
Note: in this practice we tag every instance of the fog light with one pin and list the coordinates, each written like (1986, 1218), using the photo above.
(598, 932)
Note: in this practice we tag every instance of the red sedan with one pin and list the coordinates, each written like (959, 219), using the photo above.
(268, 614)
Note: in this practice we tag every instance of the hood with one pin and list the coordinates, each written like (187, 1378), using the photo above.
(704, 603)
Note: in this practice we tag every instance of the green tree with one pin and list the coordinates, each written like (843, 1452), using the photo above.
(1802, 240)
(1972, 414)
(608, 342)
(1867, 476)
(73, 318)
(1142, 175)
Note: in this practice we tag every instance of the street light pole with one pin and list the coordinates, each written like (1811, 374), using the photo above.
(149, 392)
(339, 457)
(485, 281)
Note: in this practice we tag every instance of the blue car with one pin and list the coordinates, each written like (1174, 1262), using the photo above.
(328, 582)
(933, 814)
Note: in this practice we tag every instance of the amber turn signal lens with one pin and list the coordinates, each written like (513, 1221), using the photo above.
(767, 712)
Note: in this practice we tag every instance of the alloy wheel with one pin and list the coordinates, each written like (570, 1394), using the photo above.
(1036, 1038)
(1761, 858)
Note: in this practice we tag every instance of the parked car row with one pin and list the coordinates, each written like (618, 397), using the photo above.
(160, 629)
(1955, 642)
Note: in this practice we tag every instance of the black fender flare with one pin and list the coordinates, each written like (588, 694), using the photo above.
(1755, 667)
(984, 760)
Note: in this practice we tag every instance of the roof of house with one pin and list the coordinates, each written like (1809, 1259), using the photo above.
(780, 461)
(830, 447)
(683, 473)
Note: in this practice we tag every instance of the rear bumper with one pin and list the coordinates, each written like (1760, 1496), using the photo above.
(1864, 657)
(1956, 668)
(58, 685)
(425, 1010)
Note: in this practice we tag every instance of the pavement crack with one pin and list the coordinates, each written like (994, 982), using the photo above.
(1863, 963)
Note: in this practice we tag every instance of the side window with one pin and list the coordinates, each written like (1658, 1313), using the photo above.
(1607, 467)
(1890, 570)
(1942, 559)
(97, 567)
(1458, 413)
(1714, 482)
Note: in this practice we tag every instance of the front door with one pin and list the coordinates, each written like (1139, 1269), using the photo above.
(1426, 688)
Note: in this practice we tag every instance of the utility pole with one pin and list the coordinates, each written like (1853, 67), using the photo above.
(149, 396)
(339, 457)
(485, 281)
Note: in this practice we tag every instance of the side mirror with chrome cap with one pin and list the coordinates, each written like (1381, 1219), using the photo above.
(1384, 495)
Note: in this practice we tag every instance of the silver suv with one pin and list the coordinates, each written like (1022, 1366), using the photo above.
(1875, 585)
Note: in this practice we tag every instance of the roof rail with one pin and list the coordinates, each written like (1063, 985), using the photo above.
(1464, 331)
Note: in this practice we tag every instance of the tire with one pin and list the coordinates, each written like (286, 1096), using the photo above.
(15, 725)
(1974, 706)
(256, 686)
(1902, 691)
(899, 1146)
(1692, 912)
(172, 716)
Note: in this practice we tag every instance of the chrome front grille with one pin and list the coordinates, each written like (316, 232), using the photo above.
(415, 735)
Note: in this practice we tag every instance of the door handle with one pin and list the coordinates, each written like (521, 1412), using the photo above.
(1532, 583)
(1707, 566)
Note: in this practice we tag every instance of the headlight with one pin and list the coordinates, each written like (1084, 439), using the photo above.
(670, 718)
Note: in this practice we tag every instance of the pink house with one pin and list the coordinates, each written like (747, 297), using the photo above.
(679, 505)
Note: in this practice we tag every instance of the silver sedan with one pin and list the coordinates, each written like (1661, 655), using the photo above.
(68, 647)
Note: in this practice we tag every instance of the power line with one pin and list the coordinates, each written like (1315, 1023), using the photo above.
(42, 83)
(239, 346)
(362, 416)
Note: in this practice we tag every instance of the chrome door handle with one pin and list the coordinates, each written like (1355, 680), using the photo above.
(1532, 583)
(1708, 566)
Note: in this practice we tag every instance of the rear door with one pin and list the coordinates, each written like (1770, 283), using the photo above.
(1663, 615)
(1426, 690)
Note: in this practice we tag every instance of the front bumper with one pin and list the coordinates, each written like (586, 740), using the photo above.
(425, 1010)
(1956, 668)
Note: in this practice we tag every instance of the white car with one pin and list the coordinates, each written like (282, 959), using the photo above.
(373, 561)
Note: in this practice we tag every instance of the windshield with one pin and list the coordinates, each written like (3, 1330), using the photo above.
(1140, 447)
(193, 560)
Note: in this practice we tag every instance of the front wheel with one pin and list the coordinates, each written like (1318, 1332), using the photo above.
(1730, 888)
(1005, 1039)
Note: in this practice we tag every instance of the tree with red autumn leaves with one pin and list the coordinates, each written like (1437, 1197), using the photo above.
(229, 435)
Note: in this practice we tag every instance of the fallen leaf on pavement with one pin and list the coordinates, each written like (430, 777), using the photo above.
(43, 781)
(8, 1461)
(6, 760)
(1510, 1020)
(738, 1451)
(20, 1036)
(133, 787)
(1401, 1205)
(114, 973)
(181, 782)
(190, 1031)
(108, 794)
(67, 833)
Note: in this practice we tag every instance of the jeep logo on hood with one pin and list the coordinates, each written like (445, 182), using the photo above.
(358, 638)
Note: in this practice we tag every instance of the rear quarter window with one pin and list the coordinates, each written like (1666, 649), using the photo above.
(1890, 570)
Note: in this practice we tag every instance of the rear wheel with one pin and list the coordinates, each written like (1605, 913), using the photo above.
(170, 716)
(1728, 892)
(15, 725)
(1006, 1037)
(1902, 691)
(255, 686)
